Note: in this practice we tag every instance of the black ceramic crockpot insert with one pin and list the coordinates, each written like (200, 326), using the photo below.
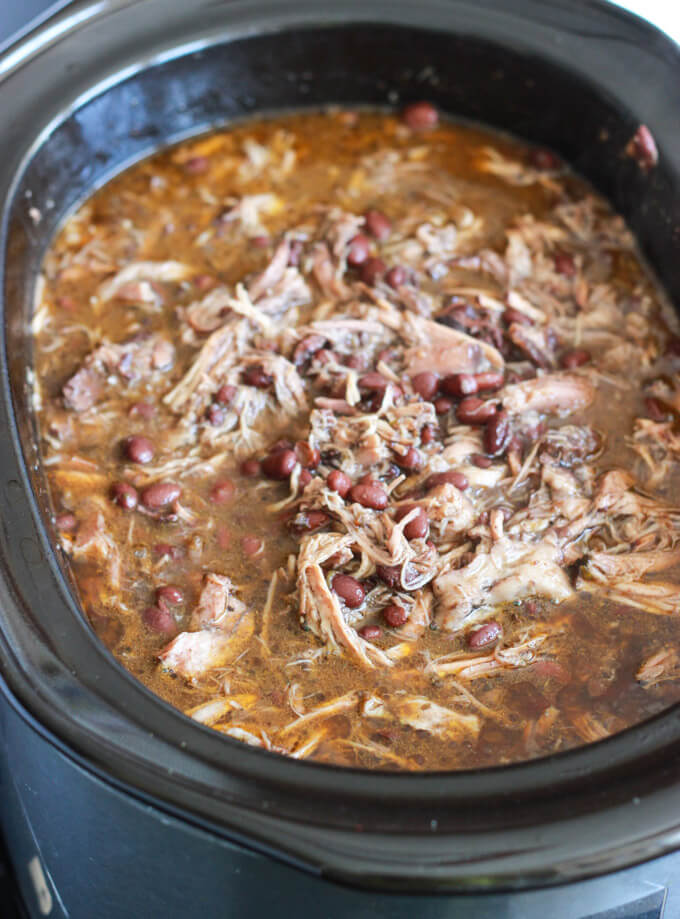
(577, 77)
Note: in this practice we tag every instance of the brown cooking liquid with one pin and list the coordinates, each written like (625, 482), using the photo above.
(553, 675)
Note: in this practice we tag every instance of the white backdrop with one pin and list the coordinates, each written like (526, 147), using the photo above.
(663, 13)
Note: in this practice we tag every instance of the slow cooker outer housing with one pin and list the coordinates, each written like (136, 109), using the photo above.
(101, 84)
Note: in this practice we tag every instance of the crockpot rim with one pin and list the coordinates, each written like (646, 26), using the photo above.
(364, 784)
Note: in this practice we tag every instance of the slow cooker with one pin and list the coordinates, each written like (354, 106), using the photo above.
(115, 805)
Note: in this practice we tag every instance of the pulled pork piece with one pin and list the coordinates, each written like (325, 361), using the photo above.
(327, 275)
(134, 361)
(435, 347)
(319, 607)
(659, 668)
(629, 566)
(134, 281)
(449, 511)
(515, 172)
(218, 605)
(536, 343)
(424, 715)
(210, 312)
(554, 393)
(368, 441)
(657, 445)
(223, 360)
(217, 355)
(280, 286)
(571, 445)
(518, 654)
(221, 625)
(508, 571)
(93, 541)
(247, 213)
(344, 703)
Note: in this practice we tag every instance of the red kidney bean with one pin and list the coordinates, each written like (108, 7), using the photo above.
(370, 632)
(551, 670)
(222, 491)
(369, 494)
(160, 495)
(215, 415)
(425, 384)
(459, 384)
(279, 465)
(204, 282)
(354, 361)
(416, 528)
(65, 522)
(541, 158)
(450, 477)
(307, 348)
(159, 620)
(225, 394)
(124, 495)
(171, 594)
(282, 444)
(575, 358)
(359, 248)
(655, 409)
(251, 545)
(442, 405)
(223, 537)
(642, 147)
(305, 478)
(339, 482)
(349, 589)
(326, 356)
(259, 242)
(394, 615)
(564, 264)
(475, 411)
(419, 116)
(512, 315)
(250, 468)
(378, 225)
(485, 635)
(310, 520)
(396, 276)
(372, 270)
(143, 410)
(497, 434)
(139, 449)
(373, 382)
(427, 435)
(196, 165)
(173, 552)
(390, 575)
(490, 380)
(481, 461)
(410, 460)
(308, 456)
(256, 376)
(386, 355)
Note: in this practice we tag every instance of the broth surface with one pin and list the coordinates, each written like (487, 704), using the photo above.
(360, 432)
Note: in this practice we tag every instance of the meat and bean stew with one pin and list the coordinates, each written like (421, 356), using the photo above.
(361, 431)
